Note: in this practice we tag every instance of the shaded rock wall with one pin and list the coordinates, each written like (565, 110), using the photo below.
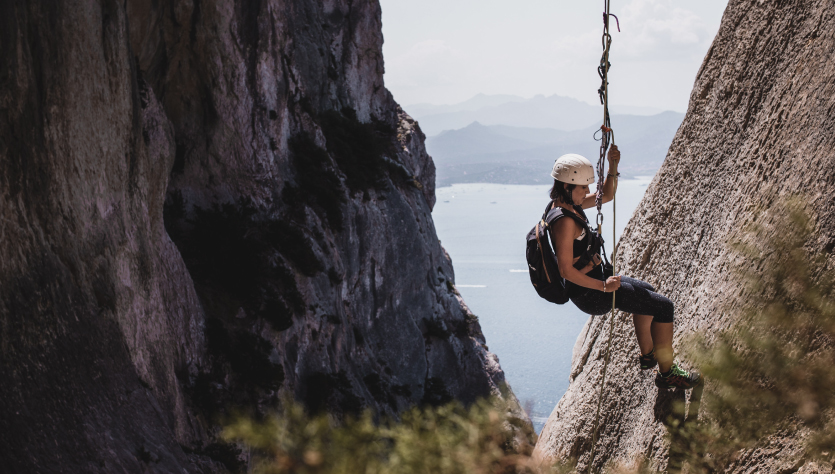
(203, 204)
(99, 317)
(758, 128)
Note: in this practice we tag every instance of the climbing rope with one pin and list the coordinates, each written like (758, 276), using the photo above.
(607, 138)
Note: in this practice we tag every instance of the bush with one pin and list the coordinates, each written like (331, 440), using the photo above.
(445, 439)
(773, 370)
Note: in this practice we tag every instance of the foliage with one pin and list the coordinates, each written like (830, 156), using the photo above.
(446, 439)
(773, 369)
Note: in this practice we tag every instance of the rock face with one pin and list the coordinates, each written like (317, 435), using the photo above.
(203, 204)
(759, 128)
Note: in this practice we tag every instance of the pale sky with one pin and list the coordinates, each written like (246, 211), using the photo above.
(446, 51)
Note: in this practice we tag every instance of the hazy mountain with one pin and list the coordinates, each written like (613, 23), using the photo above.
(476, 142)
(477, 102)
(562, 113)
(524, 155)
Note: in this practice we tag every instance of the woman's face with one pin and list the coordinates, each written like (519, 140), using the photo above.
(579, 193)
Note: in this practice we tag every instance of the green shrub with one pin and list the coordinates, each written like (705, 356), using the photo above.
(773, 370)
(444, 440)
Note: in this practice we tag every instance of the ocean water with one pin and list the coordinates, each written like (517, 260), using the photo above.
(483, 227)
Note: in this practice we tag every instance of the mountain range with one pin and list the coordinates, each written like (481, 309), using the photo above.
(562, 113)
(512, 154)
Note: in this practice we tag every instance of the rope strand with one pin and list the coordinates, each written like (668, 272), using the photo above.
(606, 138)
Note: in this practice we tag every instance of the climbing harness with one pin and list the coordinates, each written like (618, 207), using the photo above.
(607, 138)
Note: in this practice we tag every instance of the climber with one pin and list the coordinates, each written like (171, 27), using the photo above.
(652, 313)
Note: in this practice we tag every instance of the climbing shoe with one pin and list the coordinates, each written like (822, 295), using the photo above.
(647, 361)
(678, 378)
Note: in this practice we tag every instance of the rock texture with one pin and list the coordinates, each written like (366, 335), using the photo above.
(758, 129)
(204, 204)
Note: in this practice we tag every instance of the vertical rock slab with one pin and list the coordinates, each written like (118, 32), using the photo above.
(98, 316)
(301, 199)
(758, 129)
(204, 204)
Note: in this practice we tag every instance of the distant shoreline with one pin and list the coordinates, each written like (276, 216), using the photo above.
(639, 177)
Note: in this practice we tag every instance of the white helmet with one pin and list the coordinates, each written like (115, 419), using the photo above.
(573, 169)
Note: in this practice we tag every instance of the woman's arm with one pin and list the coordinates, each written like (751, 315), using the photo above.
(610, 185)
(565, 231)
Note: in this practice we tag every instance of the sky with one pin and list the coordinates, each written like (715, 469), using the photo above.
(446, 51)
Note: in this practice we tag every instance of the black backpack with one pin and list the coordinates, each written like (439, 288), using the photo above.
(542, 263)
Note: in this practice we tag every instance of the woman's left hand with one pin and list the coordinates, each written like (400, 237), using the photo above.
(614, 156)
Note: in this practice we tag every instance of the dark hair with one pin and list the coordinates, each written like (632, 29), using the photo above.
(562, 191)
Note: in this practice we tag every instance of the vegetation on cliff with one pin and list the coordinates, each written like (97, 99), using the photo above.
(772, 371)
(484, 438)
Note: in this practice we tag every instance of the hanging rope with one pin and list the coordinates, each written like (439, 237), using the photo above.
(607, 138)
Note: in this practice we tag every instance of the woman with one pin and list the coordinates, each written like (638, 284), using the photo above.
(588, 288)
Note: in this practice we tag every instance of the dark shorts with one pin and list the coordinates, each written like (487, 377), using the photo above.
(634, 296)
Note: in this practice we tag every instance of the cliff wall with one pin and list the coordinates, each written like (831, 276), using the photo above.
(204, 204)
(758, 129)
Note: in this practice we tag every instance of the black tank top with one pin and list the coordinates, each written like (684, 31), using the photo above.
(582, 245)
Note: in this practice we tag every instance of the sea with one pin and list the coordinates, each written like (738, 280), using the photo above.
(483, 227)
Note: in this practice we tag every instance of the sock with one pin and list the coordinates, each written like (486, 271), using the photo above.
(667, 373)
(651, 351)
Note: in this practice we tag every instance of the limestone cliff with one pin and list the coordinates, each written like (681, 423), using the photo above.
(204, 204)
(759, 127)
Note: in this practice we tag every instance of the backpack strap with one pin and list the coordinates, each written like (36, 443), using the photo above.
(552, 214)
(547, 210)
(541, 252)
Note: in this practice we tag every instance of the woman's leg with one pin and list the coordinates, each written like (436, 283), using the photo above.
(635, 296)
(655, 331)
(662, 338)
(643, 324)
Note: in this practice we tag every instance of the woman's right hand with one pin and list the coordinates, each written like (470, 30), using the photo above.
(612, 283)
